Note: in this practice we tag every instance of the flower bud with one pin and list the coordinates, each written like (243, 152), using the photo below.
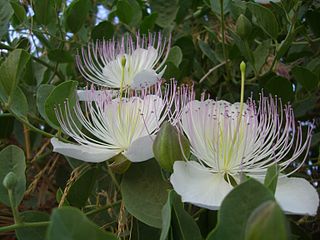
(123, 61)
(168, 146)
(120, 164)
(243, 26)
(10, 181)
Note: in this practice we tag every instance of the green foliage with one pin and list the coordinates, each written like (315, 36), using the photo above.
(57, 98)
(12, 160)
(144, 192)
(236, 209)
(11, 71)
(166, 10)
(271, 178)
(81, 189)
(129, 12)
(182, 224)
(267, 222)
(36, 233)
(76, 14)
(6, 12)
(265, 19)
(71, 224)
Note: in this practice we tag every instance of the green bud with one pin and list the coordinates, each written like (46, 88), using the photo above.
(168, 146)
(243, 67)
(10, 181)
(120, 164)
(123, 61)
(243, 26)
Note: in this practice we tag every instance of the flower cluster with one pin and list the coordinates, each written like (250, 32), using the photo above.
(227, 140)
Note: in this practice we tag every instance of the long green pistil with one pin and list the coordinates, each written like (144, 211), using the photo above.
(243, 77)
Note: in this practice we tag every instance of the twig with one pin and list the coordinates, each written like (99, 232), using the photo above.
(23, 225)
(212, 70)
(26, 135)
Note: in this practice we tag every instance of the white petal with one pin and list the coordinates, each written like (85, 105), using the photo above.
(297, 196)
(197, 185)
(144, 78)
(140, 150)
(82, 152)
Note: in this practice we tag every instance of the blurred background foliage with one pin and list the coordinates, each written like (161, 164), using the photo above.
(39, 40)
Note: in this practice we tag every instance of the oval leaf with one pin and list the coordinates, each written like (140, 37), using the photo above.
(69, 223)
(144, 192)
(236, 209)
(66, 90)
(12, 159)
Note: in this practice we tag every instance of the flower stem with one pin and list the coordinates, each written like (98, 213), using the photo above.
(97, 210)
(22, 225)
(14, 209)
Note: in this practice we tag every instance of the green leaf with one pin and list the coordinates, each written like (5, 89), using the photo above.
(104, 30)
(129, 12)
(142, 231)
(148, 23)
(174, 215)
(19, 103)
(236, 209)
(43, 92)
(44, 11)
(33, 233)
(243, 47)
(267, 222)
(144, 192)
(12, 160)
(261, 53)
(166, 215)
(58, 96)
(6, 12)
(207, 51)
(60, 56)
(306, 78)
(281, 87)
(11, 70)
(81, 189)
(171, 71)
(188, 229)
(271, 178)
(19, 12)
(175, 56)
(166, 10)
(76, 14)
(216, 6)
(265, 19)
(69, 223)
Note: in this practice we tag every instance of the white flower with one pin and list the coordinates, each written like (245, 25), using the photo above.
(125, 63)
(110, 126)
(227, 143)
